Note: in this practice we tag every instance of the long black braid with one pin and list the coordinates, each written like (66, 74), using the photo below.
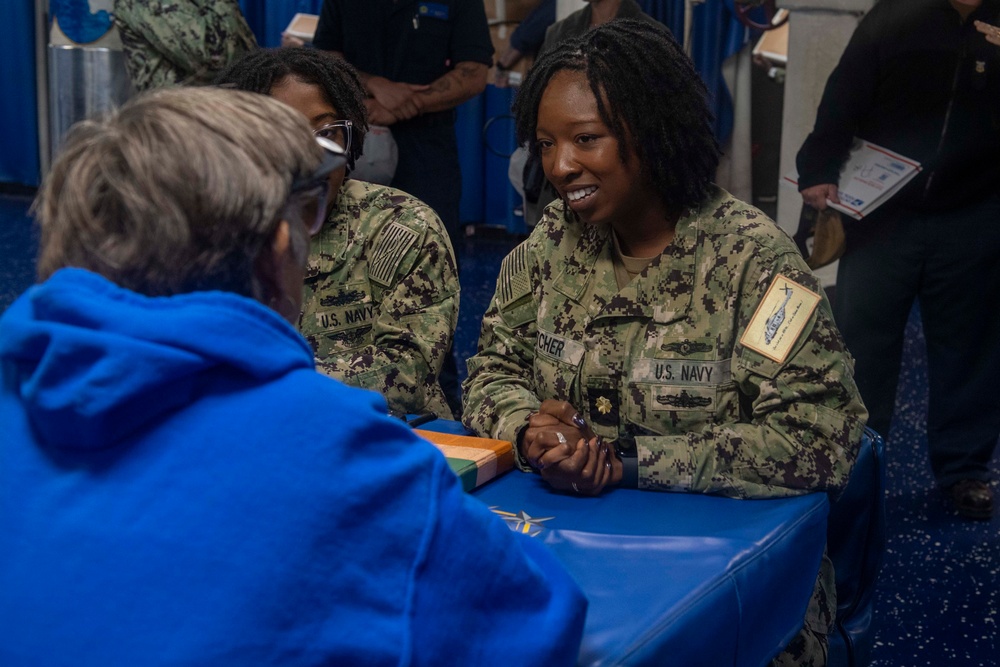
(259, 70)
(648, 94)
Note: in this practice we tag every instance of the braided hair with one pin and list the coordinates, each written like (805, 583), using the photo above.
(259, 70)
(648, 94)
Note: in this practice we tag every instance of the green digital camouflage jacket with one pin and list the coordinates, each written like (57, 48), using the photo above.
(667, 365)
(716, 384)
(381, 296)
(169, 42)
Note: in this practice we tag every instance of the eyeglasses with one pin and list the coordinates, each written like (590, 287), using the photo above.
(338, 131)
(309, 207)
(312, 192)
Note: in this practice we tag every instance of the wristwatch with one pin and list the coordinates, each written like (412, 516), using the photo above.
(626, 452)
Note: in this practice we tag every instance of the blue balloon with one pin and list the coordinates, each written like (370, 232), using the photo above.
(78, 22)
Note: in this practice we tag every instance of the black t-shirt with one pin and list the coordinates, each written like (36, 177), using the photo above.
(411, 41)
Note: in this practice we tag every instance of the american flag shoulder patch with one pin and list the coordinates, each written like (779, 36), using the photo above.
(395, 241)
(513, 282)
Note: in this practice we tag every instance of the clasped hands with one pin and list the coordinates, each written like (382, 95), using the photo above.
(570, 457)
(393, 101)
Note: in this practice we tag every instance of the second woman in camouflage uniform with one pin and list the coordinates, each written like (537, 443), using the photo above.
(381, 291)
(653, 331)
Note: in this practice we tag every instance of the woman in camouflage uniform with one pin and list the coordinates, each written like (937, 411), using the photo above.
(653, 331)
(381, 290)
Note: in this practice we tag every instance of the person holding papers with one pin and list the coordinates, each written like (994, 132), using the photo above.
(922, 78)
(654, 331)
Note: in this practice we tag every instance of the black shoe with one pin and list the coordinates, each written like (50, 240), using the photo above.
(972, 498)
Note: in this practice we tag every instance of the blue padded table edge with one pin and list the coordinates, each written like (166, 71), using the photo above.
(696, 579)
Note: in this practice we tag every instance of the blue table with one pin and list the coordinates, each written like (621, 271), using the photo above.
(676, 579)
(672, 578)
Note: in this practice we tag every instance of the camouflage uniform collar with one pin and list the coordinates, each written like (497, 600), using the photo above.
(577, 250)
(583, 260)
(716, 207)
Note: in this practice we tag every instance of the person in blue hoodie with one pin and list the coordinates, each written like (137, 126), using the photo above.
(178, 485)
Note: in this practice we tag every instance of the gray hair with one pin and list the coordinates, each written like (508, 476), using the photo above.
(177, 191)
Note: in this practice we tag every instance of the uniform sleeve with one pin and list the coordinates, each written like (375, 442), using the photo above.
(849, 94)
(801, 419)
(416, 319)
(180, 40)
(499, 392)
(470, 37)
(329, 31)
(499, 592)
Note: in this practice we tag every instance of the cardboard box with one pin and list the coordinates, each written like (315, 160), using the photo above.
(773, 44)
(303, 26)
(500, 35)
(508, 10)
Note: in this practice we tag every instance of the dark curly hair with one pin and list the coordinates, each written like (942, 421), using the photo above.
(648, 94)
(259, 70)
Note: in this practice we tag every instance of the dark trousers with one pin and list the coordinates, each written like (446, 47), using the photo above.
(428, 169)
(428, 166)
(950, 263)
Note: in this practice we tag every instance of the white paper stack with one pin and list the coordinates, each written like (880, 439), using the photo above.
(869, 178)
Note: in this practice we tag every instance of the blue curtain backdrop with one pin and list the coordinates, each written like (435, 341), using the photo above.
(267, 18)
(19, 162)
(716, 35)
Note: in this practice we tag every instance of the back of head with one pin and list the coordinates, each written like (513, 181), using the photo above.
(259, 71)
(648, 93)
(177, 191)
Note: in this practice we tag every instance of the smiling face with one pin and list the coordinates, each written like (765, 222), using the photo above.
(307, 99)
(582, 158)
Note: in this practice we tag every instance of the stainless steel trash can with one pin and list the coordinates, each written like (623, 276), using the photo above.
(84, 78)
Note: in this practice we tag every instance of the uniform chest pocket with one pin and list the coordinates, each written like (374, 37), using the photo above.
(680, 408)
(427, 47)
(339, 320)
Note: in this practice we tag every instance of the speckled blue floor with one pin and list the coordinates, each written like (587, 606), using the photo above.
(18, 242)
(938, 600)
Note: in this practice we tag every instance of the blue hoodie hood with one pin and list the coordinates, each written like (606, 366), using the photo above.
(93, 362)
